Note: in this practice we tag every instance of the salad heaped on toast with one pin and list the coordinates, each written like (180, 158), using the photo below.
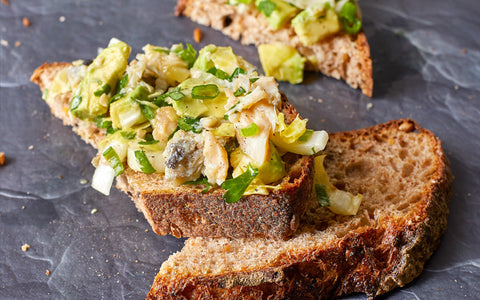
(210, 120)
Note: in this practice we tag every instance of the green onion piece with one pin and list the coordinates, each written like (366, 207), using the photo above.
(149, 137)
(173, 133)
(99, 82)
(160, 101)
(207, 91)
(111, 130)
(201, 180)
(239, 92)
(117, 97)
(218, 73)
(146, 167)
(313, 150)
(225, 117)
(252, 80)
(175, 94)
(348, 18)
(305, 136)
(112, 157)
(189, 55)
(235, 73)
(102, 122)
(322, 195)
(104, 90)
(123, 81)
(148, 142)
(161, 50)
(190, 124)
(236, 186)
(266, 7)
(250, 130)
(128, 134)
(147, 111)
(75, 102)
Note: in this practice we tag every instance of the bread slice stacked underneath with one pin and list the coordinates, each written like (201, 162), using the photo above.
(184, 211)
(341, 56)
(404, 177)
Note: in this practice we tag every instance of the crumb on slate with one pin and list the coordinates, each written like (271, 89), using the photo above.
(47, 272)
(25, 247)
(26, 22)
(197, 35)
(2, 158)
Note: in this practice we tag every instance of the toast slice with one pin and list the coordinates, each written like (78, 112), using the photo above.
(341, 56)
(402, 172)
(184, 211)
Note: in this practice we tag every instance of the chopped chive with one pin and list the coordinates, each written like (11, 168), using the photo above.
(75, 102)
(240, 92)
(146, 167)
(104, 90)
(207, 91)
(112, 157)
(218, 73)
(147, 111)
(237, 72)
(129, 135)
(102, 122)
(252, 80)
(123, 81)
(348, 18)
(250, 130)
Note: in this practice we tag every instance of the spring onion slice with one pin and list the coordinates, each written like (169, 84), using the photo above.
(235, 73)
(75, 102)
(305, 136)
(237, 186)
(112, 157)
(104, 90)
(143, 160)
(348, 17)
(250, 130)
(240, 92)
(207, 91)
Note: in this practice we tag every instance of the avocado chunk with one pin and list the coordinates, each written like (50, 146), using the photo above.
(93, 94)
(313, 25)
(277, 12)
(221, 58)
(194, 108)
(127, 112)
(273, 169)
(282, 62)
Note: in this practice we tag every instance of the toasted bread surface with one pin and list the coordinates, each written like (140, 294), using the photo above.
(183, 211)
(341, 56)
(402, 172)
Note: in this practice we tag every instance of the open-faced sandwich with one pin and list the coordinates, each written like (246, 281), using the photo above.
(325, 35)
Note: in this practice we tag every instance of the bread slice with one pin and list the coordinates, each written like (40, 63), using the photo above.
(402, 172)
(183, 211)
(341, 56)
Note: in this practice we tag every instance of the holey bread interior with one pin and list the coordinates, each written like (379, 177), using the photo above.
(403, 175)
(341, 56)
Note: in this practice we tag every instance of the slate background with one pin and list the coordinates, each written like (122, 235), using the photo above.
(426, 58)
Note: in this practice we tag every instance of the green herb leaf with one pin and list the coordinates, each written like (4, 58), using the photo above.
(322, 195)
(252, 80)
(112, 157)
(102, 122)
(189, 55)
(348, 18)
(75, 102)
(111, 130)
(128, 134)
(201, 180)
(149, 140)
(45, 94)
(104, 90)
(305, 136)
(239, 92)
(160, 102)
(237, 186)
(266, 7)
(250, 130)
(207, 91)
(235, 73)
(225, 117)
(146, 167)
(218, 73)
(190, 124)
(147, 111)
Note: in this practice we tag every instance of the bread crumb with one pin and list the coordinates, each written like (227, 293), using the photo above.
(47, 272)
(60, 176)
(197, 35)
(26, 22)
(25, 247)
(464, 51)
(23, 207)
(4, 43)
(320, 100)
(5, 2)
(456, 87)
(62, 19)
(83, 181)
(93, 211)
(17, 44)
(2, 158)
(146, 230)
(369, 105)
(30, 147)
(106, 260)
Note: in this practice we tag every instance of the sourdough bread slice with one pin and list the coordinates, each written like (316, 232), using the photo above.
(183, 211)
(402, 172)
(341, 56)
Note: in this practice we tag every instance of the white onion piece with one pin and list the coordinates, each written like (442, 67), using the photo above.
(317, 142)
(103, 179)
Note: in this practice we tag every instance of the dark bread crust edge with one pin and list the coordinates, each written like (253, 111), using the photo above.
(371, 260)
(359, 44)
(189, 213)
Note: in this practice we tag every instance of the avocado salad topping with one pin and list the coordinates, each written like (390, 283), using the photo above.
(209, 120)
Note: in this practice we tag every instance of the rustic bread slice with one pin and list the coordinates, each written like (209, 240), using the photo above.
(341, 56)
(184, 211)
(400, 169)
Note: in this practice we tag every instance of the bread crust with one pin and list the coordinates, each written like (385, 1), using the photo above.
(341, 56)
(184, 211)
(371, 259)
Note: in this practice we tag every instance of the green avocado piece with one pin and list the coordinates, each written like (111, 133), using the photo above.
(194, 108)
(126, 112)
(313, 25)
(272, 169)
(93, 94)
(277, 12)
(282, 62)
(222, 58)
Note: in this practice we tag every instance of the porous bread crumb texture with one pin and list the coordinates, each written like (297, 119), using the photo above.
(403, 176)
(341, 56)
